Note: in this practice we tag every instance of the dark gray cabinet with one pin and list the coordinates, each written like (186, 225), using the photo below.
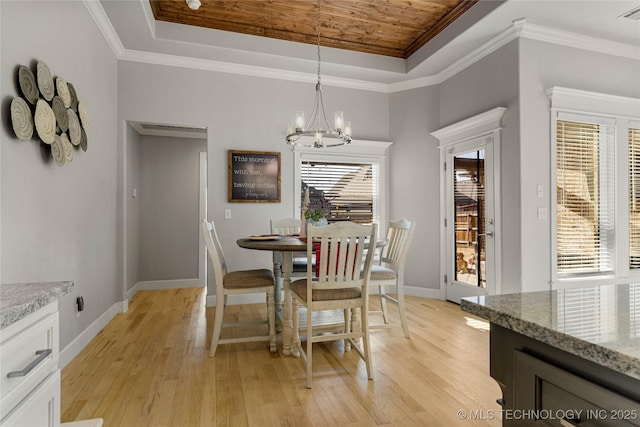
(545, 386)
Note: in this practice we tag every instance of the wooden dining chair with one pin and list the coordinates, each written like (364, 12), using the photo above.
(237, 283)
(389, 275)
(338, 282)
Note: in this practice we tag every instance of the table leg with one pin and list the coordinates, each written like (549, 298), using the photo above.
(288, 347)
(277, 272)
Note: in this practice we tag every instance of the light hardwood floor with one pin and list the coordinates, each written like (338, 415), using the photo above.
(149, 367)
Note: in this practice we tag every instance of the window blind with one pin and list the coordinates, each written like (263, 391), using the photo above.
(347, 191)
(634, 198)
(585, 191)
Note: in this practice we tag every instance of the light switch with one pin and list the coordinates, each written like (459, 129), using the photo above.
(134, 193)
(542, 213)
(227, 214)
(540, 190)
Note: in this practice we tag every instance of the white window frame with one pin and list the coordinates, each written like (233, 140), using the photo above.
(358, 151)
(621, 111)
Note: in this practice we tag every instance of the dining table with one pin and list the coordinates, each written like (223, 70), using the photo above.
(287, 245)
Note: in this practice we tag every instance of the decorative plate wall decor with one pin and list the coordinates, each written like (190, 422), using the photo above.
(67, 147)
(28, 85)
(62, 118)
(74, 97)
(63, 92)
(45, 122)
(74, 127)
(45, 81)
(83, 141)
(59, 119)
(21, 119)
(84, 114)
(57, 150)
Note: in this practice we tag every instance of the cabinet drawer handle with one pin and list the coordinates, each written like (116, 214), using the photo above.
(42, 354)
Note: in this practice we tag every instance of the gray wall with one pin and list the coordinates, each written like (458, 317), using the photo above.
(240, 112)
(58, 223)
(169, 198)
(543, 66)
(489, 83)
(415, 170)
(414, 189)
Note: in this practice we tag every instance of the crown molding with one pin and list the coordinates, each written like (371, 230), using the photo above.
(562, 98)
(247, 70)
(103, 23)
(579, 41)
(148, 16)
(490, 46)
(519, 28)
(473, 127)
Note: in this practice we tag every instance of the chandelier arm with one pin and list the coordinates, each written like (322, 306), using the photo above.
(324, 116)
(314, 113)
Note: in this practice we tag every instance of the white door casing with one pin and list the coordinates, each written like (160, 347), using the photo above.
(481, 132)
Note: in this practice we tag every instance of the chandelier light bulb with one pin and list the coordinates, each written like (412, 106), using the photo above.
(347, 129)
(299, 121)
(338, 120)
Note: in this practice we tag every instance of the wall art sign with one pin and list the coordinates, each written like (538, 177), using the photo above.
(254, 176)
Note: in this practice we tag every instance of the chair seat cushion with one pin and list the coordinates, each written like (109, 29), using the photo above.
(299, 287)
(248, 279)
(379, 272)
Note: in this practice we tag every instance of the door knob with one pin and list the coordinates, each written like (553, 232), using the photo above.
(488, 234)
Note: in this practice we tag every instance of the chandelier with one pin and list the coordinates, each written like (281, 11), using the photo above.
(340, 134)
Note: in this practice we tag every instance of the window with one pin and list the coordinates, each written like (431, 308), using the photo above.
(634, 196)
(347, 191)
(585, 196)
(347, 181)
(596, 158)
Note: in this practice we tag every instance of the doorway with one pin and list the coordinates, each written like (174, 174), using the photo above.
(469, 199)
(470, 206)
(164, 201)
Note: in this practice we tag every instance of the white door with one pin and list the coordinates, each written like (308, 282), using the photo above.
(470, 223)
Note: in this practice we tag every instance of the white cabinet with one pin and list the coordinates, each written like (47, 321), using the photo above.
(29, 374)
(41, 408)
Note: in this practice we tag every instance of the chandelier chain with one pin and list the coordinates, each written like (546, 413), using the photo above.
(318, 41)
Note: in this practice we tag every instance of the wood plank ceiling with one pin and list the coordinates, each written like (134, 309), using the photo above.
(395, 28)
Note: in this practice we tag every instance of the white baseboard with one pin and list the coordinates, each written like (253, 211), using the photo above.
(163, 284)
(76, 346)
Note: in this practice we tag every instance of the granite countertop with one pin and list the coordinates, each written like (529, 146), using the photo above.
(17, 300)
(600, 324)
